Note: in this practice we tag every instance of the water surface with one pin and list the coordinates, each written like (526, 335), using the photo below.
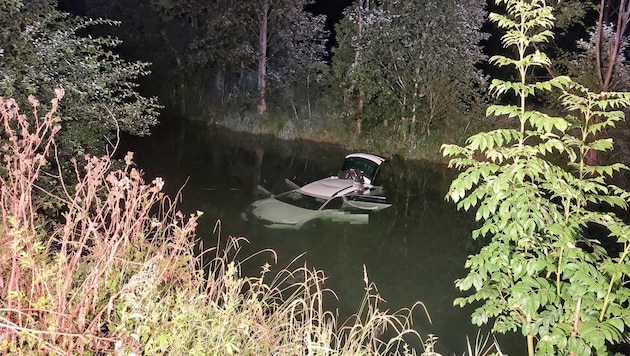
(412, 251)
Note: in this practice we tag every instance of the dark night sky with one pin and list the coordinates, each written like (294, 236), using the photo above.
(333, 10)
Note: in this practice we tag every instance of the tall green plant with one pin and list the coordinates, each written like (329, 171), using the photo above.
(536, 197)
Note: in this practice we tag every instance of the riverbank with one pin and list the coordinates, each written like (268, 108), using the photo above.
(332, 130)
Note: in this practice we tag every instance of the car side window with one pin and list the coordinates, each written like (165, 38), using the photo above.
(335, 203)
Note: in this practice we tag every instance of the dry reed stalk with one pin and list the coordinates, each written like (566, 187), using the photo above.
(62, 285)
(25, 145)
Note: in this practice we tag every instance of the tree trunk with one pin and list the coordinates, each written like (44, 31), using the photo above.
(433, 109)
(219, 86)
(363, 4)
(262, 55)
(605, 71)
(360, 109)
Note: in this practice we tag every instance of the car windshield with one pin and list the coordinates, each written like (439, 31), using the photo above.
(301, 200)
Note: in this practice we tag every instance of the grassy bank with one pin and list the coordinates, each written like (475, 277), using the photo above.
(330, 127)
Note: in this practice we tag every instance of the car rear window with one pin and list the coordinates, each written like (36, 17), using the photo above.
(361, 164)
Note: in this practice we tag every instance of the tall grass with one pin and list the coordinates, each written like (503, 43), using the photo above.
(118, 273)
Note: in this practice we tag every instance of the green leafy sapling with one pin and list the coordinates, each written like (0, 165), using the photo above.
(537, 198)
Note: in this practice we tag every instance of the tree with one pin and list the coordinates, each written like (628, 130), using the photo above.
(542, 271)
(414, 62)
(609, 41)
(44, 48)
(595, 54)
(592, 52)
(263, 23)
(361, 11)
(289, 40)
(272, 42)
(615, 18)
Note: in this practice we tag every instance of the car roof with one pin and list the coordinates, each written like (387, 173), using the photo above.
(327, 187)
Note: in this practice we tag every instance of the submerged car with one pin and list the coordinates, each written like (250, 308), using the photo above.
(347, 197)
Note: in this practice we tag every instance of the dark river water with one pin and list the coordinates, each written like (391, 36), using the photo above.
(412, 251)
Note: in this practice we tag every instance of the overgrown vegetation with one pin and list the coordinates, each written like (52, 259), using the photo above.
(415, 75)
(118, 271)
(408, 67)
(255, 55)
(42, 48)
(543, 271)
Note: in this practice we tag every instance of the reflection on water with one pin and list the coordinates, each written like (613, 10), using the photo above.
(413, 251)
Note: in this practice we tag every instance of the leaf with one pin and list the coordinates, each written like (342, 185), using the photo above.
(601, 144)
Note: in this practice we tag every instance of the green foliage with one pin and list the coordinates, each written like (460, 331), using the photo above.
(570, 14)
(45, 48)
(411, 63)
(223, 39)
(585, 50)
(541, 272)
(583, 65)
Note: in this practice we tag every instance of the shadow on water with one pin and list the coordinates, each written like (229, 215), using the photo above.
(413, 251)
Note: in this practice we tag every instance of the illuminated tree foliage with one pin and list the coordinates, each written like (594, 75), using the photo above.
(248, 47)
(412, 66)
(42, 48)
